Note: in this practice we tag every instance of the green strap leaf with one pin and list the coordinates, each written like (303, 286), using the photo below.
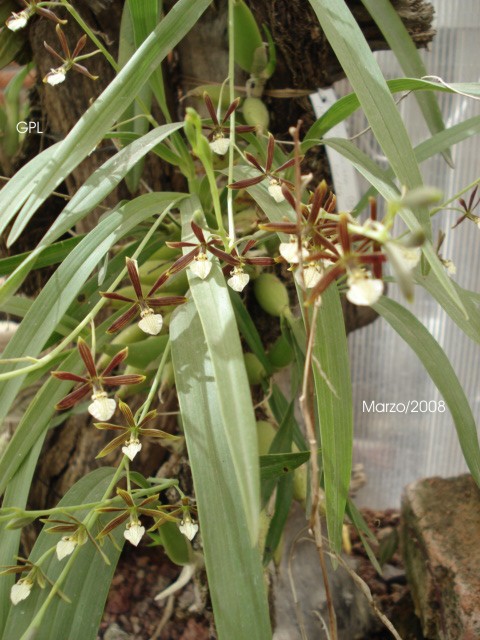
(216, 314)
(233, 563)
(442, 374)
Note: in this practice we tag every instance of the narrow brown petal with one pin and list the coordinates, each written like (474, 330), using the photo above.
(117, 381)
(84, 71)
(116, 296)
(198, 231)
(254, 161)
(109, 426)
(123, 320)
(111, 446)
(270, 151)
(61, 528)
(326, 280)
(179, 245)
(157, 433)
(151, 415)
(285, 165)
(166, 301)
(210, 108)
(127, 413)
(250, 244)
(126, 497)
(263, 261)
(63, 42)
(161, 280)
(113, 524)
(248, 182)
(52, 51)
(87, 358)
(80, 45)
(65, 375)
(343, 234)
(231, 109)
(244, 128)
(226, 257)
(73, 397)
(282, 227)
(288, 195)
(149, 500)
(115, 361)
(132, 268)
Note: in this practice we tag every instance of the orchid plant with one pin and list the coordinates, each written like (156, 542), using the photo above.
(180, 283)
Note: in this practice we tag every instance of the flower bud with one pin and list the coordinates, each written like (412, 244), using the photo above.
(271, 294)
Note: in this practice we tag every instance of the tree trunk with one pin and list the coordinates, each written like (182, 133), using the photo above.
(305, 62)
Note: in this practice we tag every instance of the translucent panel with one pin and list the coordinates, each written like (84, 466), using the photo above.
(398, 448)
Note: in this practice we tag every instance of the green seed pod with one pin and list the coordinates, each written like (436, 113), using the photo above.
(271, 294)
(255, 370)
(300, 484)
(256, 113)
(265, 435)
(281, 353)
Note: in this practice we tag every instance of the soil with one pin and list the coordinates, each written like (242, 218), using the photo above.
(132, 613)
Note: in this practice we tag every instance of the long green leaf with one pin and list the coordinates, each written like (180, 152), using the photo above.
(99, 118)
(345, 106)
(402, 45)
(216, 314)
(334, 404)
(86, 585)
(233, 564)
(102, 182)
(441, 372)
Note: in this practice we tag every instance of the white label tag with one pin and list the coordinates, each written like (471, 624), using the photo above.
(343, 174)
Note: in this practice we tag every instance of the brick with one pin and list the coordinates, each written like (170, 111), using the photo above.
(440, 538)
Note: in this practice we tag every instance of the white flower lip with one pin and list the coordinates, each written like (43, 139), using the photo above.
(275, 190)
(134, 533)
(201, 266)
(188, 528)
(312, 274)
(150, 322)
(65, 547)
(289, 251)
(220, 145)
(131, 448)
(55, 76)
(20, 590)
(102, 408)
(17, 21)
(363, 291)
(239, 279)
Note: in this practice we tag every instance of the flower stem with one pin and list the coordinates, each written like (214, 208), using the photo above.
(231, 86)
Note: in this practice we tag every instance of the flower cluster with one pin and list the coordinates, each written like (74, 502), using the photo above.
(69, 60)
(219, 130)
(320, 249)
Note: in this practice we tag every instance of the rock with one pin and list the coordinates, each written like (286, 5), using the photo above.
(439, 538)
(114, 632)
(299, 595)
